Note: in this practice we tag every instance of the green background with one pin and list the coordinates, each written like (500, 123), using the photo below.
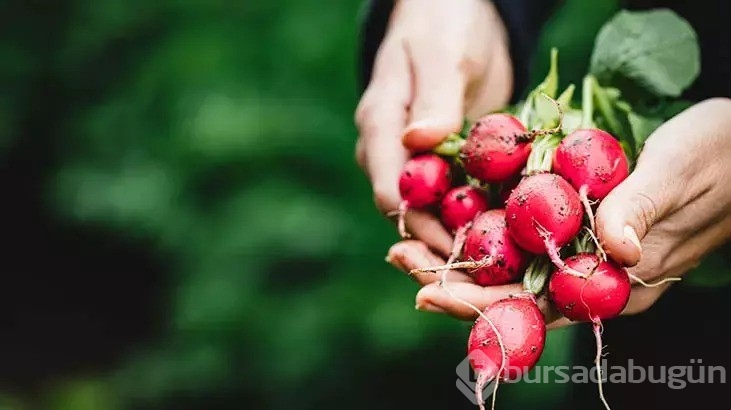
(189, 227)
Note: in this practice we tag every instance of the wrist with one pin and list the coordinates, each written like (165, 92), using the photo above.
(493, 79)
(502, 67)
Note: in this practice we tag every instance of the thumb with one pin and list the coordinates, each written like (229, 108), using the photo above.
(626, 215)
(437, 108)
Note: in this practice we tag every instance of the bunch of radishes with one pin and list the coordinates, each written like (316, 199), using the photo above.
(518, 190)
(520, 202)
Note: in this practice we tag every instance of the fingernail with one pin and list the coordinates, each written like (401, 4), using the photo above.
(631, 235)
(427, 124)
(395, 263)
(428, 307)
(398, 266)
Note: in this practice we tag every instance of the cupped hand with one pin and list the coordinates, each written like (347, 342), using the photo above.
(672, 210)
(440, 61)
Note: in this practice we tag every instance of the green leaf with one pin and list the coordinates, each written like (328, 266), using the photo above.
(672, 108)
(606, 101)
(587, 102)
(566, 96)
(450, 146)
(642, 127)
(549, 86)
(466, 127)
(657, 49)
(571, 120)
(538, 111)
(571, 117)
(546, 112)
(643, 122)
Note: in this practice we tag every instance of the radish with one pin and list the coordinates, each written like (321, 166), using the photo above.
(423, 182)
(488, 251)
(543, 214)
(506, 341)
(591, 159)
(508, 337)
(499, 145)
(460, 205)
(600, 291)
(488, 238)
(593, 162)
(496, 148)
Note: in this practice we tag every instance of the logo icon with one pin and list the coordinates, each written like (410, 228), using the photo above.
(467, 380)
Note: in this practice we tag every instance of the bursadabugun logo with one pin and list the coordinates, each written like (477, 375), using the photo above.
(467, 380)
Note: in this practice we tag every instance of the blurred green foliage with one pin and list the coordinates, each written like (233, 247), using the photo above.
(220, 135)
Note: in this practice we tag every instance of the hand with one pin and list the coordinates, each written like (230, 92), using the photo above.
(440, 61)
(673, 209)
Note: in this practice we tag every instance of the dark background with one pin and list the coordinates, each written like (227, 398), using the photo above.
(186, 227)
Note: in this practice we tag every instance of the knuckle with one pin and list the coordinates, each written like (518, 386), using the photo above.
(645, 209)
(469, 67)
(652, 265)
(360, 154)
(363, 111)
(367, 108)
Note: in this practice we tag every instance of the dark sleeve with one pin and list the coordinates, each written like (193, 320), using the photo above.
(524, 20)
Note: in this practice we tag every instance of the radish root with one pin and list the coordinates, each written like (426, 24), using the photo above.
(652, 285)
(599, 249)
(597, 327)
(472, 265)
(402, 209)
(457, 249)
(587, 207)
(553, 252)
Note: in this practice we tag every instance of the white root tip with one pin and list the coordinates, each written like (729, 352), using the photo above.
(597, 327)
(587, 207)
(402, 209)
(655, 284)
(499, 338)
(471, 265)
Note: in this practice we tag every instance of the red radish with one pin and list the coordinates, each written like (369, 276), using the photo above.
(488, 251)
(543, 214)
(496, 148)
(593, 162)
(488, 238)
(506, 341)
(424, 180)
(601, 293)
(461, 205)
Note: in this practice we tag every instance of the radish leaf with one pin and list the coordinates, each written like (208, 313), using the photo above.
(656, 49)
